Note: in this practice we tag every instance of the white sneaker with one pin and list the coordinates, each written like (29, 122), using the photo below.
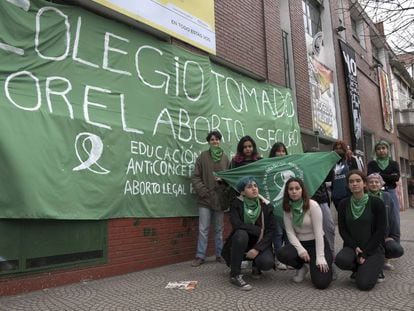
(240, 283)
(281, 266)
(388, 265)
(300, 274)
(381, 277)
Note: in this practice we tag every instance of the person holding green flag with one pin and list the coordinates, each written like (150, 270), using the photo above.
(303, 222)
(253, 225)
(362, 223)
(211, 192)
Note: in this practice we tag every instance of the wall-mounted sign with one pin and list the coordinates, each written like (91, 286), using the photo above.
(323, 99)
(351, 71)
(189, 20)
(385, 100)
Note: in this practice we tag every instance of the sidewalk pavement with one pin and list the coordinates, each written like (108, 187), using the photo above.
(145, 290)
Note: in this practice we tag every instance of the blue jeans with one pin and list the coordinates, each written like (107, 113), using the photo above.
(205, 217)
(328, 226)
(394, 216)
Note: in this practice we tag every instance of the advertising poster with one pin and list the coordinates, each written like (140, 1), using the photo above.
(386, 102)
(323, 99)
(189, 20)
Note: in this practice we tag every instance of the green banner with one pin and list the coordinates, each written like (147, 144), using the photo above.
(272, 174)
(99, 120)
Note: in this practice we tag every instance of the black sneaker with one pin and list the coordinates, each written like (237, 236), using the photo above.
(381, 277)
(256, 273)
(239, 282)
(353, 276)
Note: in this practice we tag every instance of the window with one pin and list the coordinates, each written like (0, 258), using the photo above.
(368, 147)
(377, 55)
(358, 30)
(354, 28)
(375, 51)
(38, 244)
(286, 60)
(311, 16)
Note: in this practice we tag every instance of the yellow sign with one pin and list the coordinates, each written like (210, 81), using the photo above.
(191, 21)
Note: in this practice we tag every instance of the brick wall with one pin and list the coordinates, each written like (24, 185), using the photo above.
(240, 34)
(133, 245)
(303, 97)
(274, 47)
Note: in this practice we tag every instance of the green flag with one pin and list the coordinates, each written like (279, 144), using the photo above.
(272, 174)
(100, 120)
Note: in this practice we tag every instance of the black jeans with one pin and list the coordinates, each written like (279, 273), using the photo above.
(393, 249)
(241, 242)
(289, 256)
(367, 273)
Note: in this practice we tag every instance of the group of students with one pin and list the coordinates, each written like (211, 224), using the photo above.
(368, 218)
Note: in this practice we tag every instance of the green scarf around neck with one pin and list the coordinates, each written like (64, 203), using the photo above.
(251, 210)
(297, 212)
(358, 205)
(216, 153)
(383, 162)
(378, 194)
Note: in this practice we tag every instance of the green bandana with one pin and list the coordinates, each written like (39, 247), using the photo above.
(297, 212)
(358, 205)
(383, 163)
(216, 153)
(251, 210)
(378, 194)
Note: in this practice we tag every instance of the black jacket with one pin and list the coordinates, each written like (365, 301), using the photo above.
(377, 230)
(237, 222)
(391, 174)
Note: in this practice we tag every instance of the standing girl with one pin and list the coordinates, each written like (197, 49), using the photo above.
(343, 166)
(303, 223)
(246, 152)
(210, 192)
(390, 173)
(361, 222)
(279, 150)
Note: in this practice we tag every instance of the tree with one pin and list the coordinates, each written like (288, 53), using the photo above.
(398, 19)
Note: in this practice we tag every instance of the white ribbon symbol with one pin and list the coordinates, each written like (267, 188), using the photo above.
(94, 153)
(280, 180)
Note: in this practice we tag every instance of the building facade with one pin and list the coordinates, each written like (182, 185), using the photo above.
(293, 44)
